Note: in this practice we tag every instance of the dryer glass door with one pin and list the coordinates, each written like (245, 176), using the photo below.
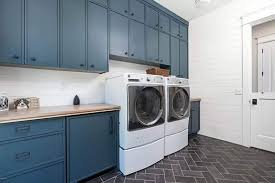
(179, 102)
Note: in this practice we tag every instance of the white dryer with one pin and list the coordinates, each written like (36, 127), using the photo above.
(142, 117)
(177, 114)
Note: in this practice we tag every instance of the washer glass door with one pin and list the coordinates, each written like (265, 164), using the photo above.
(145, 106)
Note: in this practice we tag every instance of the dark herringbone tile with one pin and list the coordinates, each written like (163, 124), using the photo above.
(205, 160)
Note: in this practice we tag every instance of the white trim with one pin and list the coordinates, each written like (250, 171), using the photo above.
(258, 17)
(266, 39)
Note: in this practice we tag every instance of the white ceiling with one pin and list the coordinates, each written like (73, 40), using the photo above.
(188, 10)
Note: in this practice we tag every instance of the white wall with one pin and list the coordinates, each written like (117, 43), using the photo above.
(216, 67)
(59, 87)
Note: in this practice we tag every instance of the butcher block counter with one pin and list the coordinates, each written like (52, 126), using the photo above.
(54, 111)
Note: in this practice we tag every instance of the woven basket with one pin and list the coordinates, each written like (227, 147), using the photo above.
(158, 71)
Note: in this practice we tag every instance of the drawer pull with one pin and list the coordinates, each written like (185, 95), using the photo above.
(23, 129)
(23, 156)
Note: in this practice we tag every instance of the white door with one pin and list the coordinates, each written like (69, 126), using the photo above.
(266, 67)
(263, 123)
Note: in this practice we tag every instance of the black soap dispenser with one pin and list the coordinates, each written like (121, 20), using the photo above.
(76, 100)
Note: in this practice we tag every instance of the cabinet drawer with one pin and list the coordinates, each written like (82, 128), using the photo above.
(49, 174)
(12, 131)
(23, 155)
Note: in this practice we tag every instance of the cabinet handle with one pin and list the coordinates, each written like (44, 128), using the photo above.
(81, 65)
(125, 11)
(23, 129)
(92, 66)
(157, 25)
(33, 59)
(161, 27)
(132, 54)
(126, 53)
(111, 125)
(15, 57)
(132, 14)
(23, 156)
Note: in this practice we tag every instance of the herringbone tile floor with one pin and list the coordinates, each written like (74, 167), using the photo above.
(205, 160)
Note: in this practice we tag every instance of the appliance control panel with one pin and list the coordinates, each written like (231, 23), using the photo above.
(145, 78)
(177, 81)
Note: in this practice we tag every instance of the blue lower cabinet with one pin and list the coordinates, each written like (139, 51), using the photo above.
(92, 144)
(194, 122)
(48, 174)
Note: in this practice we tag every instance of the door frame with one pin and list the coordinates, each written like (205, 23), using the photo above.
(258, 17)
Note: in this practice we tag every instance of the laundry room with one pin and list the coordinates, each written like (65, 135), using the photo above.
(137, 91)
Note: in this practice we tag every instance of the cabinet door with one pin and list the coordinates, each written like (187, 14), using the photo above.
(92, 145)
(164, 23)
(175, 56)
(195, 113)
(120, 6)
(97, 38)
(175, 28)
(164, 48)
(183, 59)
(42, 32)
(73, 34)
(137, 10)
(183, 32)
(118, 35)
(11, 32)
(136, 40)
(152, 45)
(151, 17)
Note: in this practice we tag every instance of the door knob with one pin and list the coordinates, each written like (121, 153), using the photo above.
(15, 57)
(33, 59)
(132, 54)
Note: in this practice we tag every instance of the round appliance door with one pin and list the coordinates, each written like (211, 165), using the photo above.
(179, 103)
(148, 106)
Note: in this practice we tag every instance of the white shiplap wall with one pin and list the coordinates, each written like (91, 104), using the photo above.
(216, 67)
(59, 87)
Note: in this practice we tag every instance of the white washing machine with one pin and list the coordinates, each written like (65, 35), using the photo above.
(177, 114)
(142, 117)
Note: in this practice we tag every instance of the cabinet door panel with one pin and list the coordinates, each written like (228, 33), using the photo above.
(164, 48)
(118, 35)
(42, 32)
(120, 6)
(183, 32)
(11, 33)
(183, 59)
(152, 44)
(175, 28)
(164, 23)
(137, 10)
(73, 34)
(175, 56)
(95, 148)
(195, 120)
(151, 17)
(137, 40)
(97, 38)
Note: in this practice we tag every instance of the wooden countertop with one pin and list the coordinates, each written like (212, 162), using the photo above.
(55, 111)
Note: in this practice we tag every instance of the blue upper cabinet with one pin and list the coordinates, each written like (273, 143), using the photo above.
(73, 34)
(151, 17)
(97, 38)
(42, 32)
(93, 150)
(164, 23)
(136, 40)
(175, 56)
(152, 45)
(11, 31)
(175, 28)
(120, 6)
(183, 32)
(136, 10)
(183, 59)
(118, 35)
(164, 48)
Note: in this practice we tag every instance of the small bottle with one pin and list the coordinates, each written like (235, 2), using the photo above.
(76, 100)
